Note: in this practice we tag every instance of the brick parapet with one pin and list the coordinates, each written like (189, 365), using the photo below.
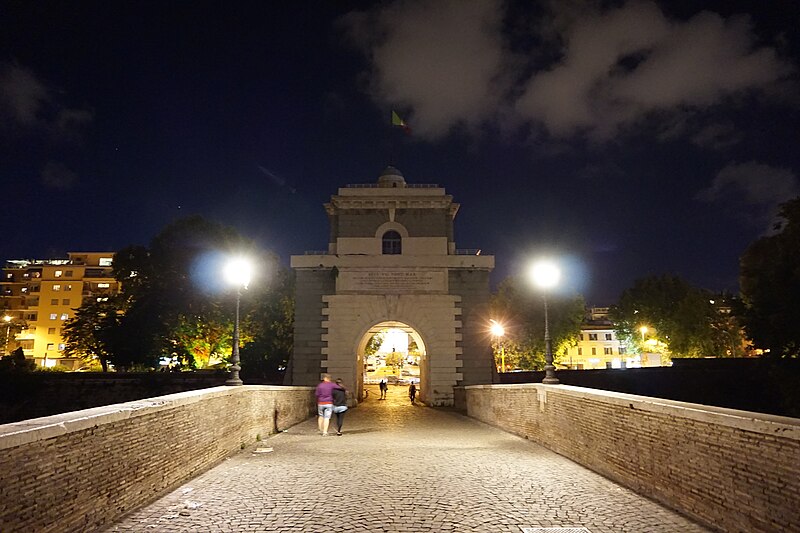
(83, 470)
(732, 470)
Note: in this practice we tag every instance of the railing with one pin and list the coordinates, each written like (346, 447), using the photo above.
(468, 251)
(378, 186)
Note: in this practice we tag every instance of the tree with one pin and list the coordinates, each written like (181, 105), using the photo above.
(769, 279)
(174, 302)
(682, 317)
(87, 335)
(374, 343)
(16, 362)
(269, 322)
(521, 310)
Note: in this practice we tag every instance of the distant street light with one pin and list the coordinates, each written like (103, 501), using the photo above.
(643, 330)
(545, 275)
(237, 272)
(498, 331)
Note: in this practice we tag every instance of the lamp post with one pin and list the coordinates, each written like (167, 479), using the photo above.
(7, 319)
(545, 275)
(237, 272)
(498, 331)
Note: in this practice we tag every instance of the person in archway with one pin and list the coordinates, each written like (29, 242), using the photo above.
(339, 405)
(383, 386)
(412, 391)
(324, 395)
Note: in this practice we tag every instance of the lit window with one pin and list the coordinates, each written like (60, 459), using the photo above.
(592, 336)
(392, 243)
(61, 347)
(56, 288)
(51, 346)
(9, 275)
(67, 288)
(24, 290)
(49, 363)
(103, 285)
(608, 336)
(64, 316)
(59, 273)
(106, 261)
(53, 316)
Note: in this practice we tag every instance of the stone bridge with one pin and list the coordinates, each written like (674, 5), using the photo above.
(511, 458)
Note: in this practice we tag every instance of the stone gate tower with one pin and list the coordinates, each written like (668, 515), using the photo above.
(392, 262)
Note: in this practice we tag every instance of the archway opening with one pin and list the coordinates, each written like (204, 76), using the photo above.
(392, 352)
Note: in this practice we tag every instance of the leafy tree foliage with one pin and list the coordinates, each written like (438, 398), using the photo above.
(269, 323)
(682, 317)
(521, 311)
(174, 303)
(374, 343)
(16, 362)
(770, 286)
(89, 334)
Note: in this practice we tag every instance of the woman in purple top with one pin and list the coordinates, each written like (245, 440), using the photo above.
(325, 403)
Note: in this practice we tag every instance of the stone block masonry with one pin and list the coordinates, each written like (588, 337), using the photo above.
(732, 470)
(83, 470)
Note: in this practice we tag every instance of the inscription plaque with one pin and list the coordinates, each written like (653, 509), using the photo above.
(392, 281)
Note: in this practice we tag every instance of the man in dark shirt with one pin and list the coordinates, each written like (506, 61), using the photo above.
(339, 405)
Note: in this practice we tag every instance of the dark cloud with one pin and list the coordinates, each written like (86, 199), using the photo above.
(753, 188)
(27, 104)
(22, 95)
(442, 61)
(56, 176)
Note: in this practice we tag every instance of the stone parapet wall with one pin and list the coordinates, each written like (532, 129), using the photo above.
(731, 470)
(83, 470)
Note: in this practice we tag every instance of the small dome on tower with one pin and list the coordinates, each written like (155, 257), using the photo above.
(391, 177)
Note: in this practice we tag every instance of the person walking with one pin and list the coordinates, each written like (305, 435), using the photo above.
(383, 386)
(412, 392)
(339, 405)
(324, 395)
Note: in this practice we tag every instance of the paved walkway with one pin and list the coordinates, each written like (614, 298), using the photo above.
(402, 468)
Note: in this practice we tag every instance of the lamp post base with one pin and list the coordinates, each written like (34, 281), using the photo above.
(234, 382)
(550, 381)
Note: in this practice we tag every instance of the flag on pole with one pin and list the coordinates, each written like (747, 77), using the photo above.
(397, 121)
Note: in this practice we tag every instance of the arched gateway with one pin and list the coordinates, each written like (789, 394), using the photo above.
(392, 262)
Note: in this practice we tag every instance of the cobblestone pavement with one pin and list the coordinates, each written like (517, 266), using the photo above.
(401, 468)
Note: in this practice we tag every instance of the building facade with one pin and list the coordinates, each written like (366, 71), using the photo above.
(392, 262)
(600, 347)
(38, 296)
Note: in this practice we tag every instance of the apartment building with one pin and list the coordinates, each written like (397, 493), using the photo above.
(599, 346)
(38, 296)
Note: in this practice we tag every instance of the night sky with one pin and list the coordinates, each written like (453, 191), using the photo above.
(628, 138)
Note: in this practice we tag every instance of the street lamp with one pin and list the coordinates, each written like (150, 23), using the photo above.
(237, 272)
(643, 330)
(7, 319)
(546, 274)
(498, 331)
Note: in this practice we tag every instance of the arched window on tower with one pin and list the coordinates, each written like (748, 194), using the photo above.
(392, 243)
